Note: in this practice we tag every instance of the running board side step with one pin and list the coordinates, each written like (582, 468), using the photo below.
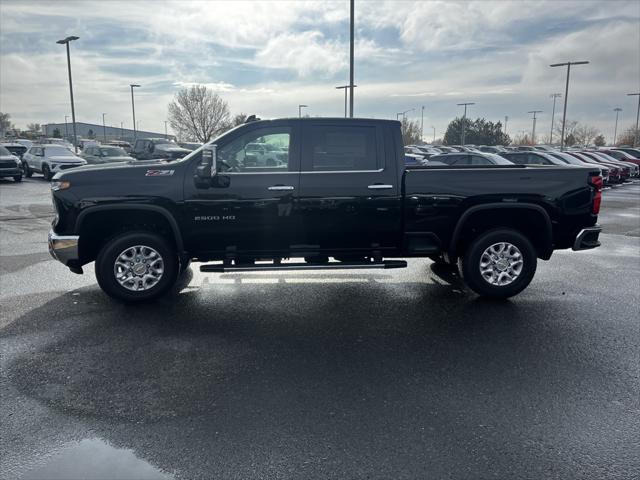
(303, 266)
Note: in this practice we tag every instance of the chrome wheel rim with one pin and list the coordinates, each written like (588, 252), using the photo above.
(138, 268)
(501, 264)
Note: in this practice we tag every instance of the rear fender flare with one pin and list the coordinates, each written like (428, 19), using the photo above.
(547, 233)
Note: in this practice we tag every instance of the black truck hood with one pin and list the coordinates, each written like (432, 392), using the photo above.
(116, 169)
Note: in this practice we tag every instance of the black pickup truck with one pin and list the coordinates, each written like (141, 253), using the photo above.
(336, 193)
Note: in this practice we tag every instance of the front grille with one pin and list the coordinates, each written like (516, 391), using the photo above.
(8, 164)
(64, 167)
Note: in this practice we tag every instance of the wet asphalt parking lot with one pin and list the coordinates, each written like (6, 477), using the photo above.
(368, 374)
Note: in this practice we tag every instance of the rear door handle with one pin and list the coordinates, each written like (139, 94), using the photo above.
(280, 187)
(380, 186)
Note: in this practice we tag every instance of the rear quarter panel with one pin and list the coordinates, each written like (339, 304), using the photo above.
(436, 198)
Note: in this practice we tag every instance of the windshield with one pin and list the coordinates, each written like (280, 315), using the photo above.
(59, 151)
(113, 152)
(161, 141)
(4, 152)
(497, 159)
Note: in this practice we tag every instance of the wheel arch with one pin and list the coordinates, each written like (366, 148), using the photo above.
(97, 224)
(536, 225)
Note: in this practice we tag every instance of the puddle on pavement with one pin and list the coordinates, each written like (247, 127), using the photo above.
(94, 459)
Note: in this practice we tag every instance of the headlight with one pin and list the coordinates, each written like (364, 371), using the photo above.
(60, 185)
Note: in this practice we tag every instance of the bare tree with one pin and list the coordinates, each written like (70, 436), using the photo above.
(5, 123)
(198, 114)
(522, 139)
(627, 137)
(585, 134)
(33, 127)
(410, 131)
(600, 141)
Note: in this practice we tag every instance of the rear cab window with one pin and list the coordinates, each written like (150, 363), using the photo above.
(340, 148)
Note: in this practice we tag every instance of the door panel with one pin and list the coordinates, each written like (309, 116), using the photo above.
(251, 206)
(349, 197)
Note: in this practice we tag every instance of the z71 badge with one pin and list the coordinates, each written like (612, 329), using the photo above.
(159, 173)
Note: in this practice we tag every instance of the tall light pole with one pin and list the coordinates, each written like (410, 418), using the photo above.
(104, 128)
(66, 42)
(533, 130)
(345, 87)
(506, 119)
(422, 125)
(615, 130)
(434, 134)
(121, 130)
(351, 85)
(66, 134)
(566, 95)
(464, 118)
(553, 114)
(635, 138)
(165, 129)
(300, 107)
(133, 109)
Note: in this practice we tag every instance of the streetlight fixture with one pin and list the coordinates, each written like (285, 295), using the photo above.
(635, 138)
(566, 95)
(133, 109)
(464, 118)
(553, 113)
(615, 130)
(300, 107)
(104, 128)
(67, 41)
(533, 131)
(345, 87)
(404, 113)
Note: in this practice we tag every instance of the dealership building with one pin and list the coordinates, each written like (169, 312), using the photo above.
(97, 131)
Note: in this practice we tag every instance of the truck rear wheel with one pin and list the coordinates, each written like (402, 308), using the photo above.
(136, 266)
(499, 263)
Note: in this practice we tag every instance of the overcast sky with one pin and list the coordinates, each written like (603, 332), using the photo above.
(268, 57)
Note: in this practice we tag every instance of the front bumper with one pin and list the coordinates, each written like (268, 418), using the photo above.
(64, 248)
(588, 238)
(10, 172)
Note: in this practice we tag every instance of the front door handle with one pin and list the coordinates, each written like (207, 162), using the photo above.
(280, 187)
(380, 186)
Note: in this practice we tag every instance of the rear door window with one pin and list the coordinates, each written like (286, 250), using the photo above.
(342, 148)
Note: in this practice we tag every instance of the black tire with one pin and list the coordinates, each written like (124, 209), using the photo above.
(17, 178)
(112, 249)
(46, 172)
(26, 171)
(471, 266)
(184, 266)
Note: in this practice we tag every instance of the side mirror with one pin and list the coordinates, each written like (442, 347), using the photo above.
(207, 168)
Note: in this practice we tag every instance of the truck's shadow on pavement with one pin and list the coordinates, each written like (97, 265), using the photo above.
(271, 374)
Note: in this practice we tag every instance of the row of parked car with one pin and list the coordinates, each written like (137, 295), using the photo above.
(617, 164)
(22, 158)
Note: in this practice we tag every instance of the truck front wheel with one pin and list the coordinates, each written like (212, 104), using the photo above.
(136, 266)
(499, 263)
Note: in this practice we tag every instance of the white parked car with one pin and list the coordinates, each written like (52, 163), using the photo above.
(49, 160)
(9, 165)
(265, 155)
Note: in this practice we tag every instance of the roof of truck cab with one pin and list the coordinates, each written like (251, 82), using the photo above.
(332, 119)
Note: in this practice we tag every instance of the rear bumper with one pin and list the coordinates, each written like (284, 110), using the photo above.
(588, 238)
(64, 248)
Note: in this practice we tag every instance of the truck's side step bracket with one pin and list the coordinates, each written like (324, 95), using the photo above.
(303, 266)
